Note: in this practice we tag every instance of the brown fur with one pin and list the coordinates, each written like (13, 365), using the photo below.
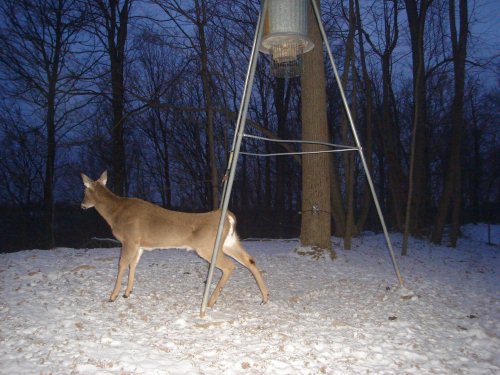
(138, 224)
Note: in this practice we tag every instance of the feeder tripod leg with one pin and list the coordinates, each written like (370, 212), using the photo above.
(235, 151)
(358, 143)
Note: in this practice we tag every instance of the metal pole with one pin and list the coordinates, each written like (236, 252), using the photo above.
(233, 156)
(358, 144)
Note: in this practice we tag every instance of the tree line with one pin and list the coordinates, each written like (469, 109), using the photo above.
(150, 91)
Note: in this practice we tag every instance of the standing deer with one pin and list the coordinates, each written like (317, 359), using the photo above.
(140, 225)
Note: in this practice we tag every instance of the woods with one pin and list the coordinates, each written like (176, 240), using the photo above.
(150, 91)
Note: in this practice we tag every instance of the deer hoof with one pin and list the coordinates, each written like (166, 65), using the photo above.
(264, 301)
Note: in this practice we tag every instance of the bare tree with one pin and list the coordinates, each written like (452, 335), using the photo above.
(316, 213)
(111, 23)
(38, 47)
(452, 191)
(197, 17)
(416, 12)
(156, 84)
(367, 85)
(349, 167)
(21, 161)
(388, 33)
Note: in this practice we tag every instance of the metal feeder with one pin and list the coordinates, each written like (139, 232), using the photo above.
(285, 36)
(286, 13)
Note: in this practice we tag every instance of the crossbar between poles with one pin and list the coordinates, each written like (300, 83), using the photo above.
(294, 153)
(300, 141)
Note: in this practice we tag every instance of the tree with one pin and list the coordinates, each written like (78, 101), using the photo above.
(388, 34)
(21, 161)
(197, 17)
(316, 213)
(38, 46)
(451, 197)
(111, 22)
(156, 84)
(349, 167)
(368, 120)
(416, 12)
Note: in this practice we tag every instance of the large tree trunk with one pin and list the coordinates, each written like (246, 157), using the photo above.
(451, 196)
(316, 222)
(416, 201)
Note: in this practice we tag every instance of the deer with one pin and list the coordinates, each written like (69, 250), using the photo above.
(140, 225)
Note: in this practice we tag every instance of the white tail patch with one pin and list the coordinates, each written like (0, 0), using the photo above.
(232, 237)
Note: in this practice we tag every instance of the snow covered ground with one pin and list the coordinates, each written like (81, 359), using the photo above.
(346, 316)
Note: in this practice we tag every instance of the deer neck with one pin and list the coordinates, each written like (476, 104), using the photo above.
(108, 204)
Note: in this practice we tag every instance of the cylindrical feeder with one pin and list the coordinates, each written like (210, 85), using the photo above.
(285, 36)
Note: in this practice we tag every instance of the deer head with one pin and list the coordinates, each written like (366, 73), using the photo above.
(91, 187)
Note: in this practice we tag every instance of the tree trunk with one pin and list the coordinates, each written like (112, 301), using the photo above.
(416, 200)
(116, 24)
(281, 112)
(477, 172)
(316, 222)
(338, 212)
(451, 196)
(48, 189)
(205, 78)
(118, 147)
(348, 157)
(390, 139)
(282, 96)
(391, 145)
(368, 142)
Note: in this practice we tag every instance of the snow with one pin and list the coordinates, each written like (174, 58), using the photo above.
(346, 316)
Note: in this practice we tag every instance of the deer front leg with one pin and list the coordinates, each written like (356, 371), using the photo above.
(126, 257)
(131, 274)
(121, 270)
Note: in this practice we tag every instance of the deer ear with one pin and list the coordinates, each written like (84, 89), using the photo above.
(86, 181)
(104, 178)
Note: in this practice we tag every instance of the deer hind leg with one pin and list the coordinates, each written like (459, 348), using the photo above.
(224, 264)
(238, 252)
(128, 255)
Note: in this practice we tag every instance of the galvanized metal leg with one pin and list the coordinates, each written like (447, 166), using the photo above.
(235, 150)
(358, 144)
